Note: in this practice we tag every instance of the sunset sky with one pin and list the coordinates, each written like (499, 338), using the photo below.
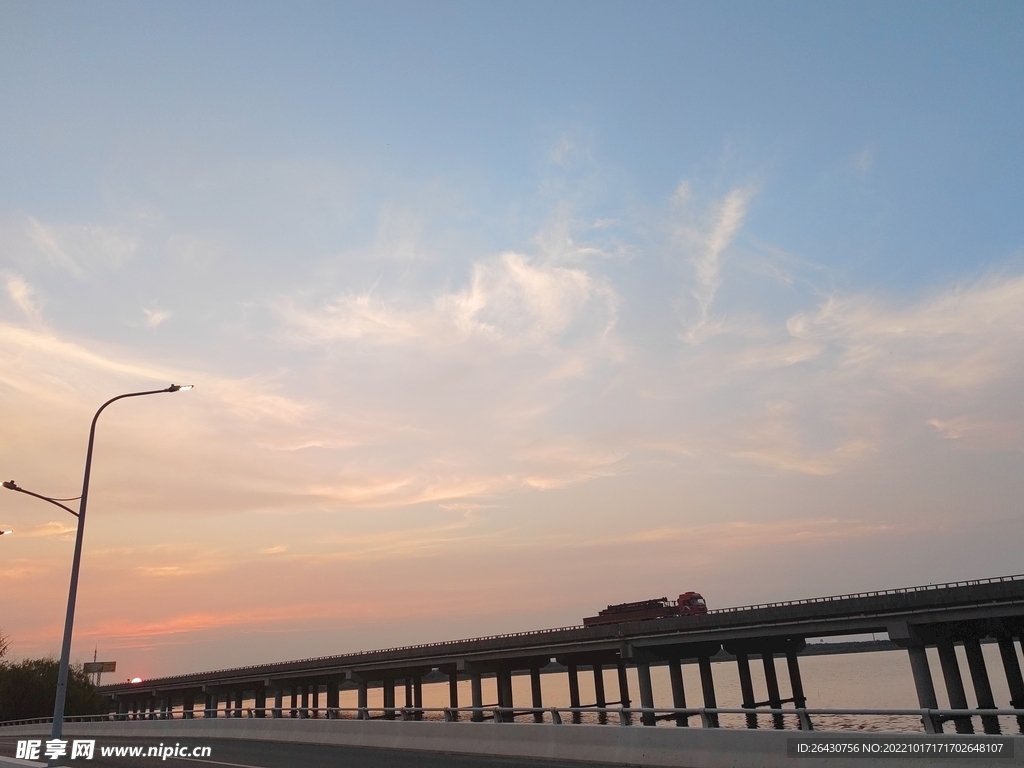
(498, 313)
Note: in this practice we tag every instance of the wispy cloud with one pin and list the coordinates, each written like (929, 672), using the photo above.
(959, 338)
(509, 300)
(77, 248)
(707, 241)
(52, 528)
(22, 295)
(155, 316)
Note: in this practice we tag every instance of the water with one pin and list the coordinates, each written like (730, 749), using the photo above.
(876, 680)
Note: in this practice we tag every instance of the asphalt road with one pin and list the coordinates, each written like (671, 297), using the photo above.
(267, 754)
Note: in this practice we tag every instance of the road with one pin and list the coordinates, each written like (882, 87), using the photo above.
(267, 754)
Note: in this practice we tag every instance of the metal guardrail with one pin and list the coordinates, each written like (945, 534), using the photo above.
(535, 632)
(879, 593)
(931, 719)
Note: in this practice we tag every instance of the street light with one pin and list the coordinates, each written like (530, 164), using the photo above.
(69, 620)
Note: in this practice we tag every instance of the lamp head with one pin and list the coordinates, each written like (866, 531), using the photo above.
(3, 533)
(11, 485)
(179, 387)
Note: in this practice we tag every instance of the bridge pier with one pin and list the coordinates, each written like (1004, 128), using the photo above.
(537, 700)
(503, 678)
(574, 689)
(907, 636)
(925, 687)
(477, 690)
(389, 698)
(707, 684)
(417, 694)
(333, 695)
(624, 699)
(980, 681)
(278, 701)
(453, 691)
(362, 696)
(188, 705)
(643, 674)
(954, 683)
(746, 687)
(795, 681)
(1014, 681)
(599, 697)
(771, 680)
(675, 673)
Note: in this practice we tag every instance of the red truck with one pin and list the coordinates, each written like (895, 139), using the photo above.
(688, 604)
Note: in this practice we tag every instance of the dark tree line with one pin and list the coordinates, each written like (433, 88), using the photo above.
(28, 687)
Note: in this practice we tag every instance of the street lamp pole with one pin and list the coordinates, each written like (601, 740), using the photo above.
(69, 620)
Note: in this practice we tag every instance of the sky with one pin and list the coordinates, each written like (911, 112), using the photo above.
(498, 313)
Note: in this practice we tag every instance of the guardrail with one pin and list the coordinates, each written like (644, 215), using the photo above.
(931, 719)
(879, 593)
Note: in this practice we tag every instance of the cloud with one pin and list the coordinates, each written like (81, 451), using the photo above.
(569, 150)
(52, 528)
(959, 339)
(980, 434)
(22, 295)
(184, 564)
(863, 161)
(351, 318)
(707, 241)
(751, 534)
(78, 248)
(199, 622)
(23, 568)
(155, 316)
(509, 301)
(517, 301)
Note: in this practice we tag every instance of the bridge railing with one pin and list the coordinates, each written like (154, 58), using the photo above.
(878, 593)
(802, 718)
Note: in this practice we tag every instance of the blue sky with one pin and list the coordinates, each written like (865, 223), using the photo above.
(511, 290)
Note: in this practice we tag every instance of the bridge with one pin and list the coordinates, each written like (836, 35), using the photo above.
(940, 616)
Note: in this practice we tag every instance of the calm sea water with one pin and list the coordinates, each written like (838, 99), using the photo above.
(877, 680)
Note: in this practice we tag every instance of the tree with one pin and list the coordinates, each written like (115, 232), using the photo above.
(27, 690)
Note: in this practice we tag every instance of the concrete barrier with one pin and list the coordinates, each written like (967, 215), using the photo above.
(618, 745)
(13, 761)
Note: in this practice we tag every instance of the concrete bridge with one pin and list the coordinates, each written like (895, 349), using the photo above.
(915, 618)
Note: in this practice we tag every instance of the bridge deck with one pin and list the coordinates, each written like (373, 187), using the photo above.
(985, 605)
